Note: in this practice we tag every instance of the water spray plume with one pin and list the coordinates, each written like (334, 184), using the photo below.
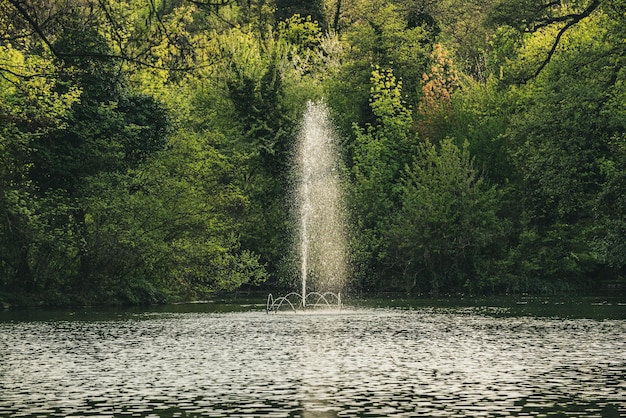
(320, 212)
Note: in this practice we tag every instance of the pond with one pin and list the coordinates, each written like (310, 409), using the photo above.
(367, 361)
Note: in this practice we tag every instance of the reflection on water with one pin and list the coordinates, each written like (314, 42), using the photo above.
(361, 362)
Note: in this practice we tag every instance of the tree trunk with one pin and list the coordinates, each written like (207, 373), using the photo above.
(337, 15)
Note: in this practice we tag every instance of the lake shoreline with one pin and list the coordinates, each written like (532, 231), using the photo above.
(566, 306)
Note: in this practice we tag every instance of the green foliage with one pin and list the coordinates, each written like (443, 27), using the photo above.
(172, 224)
(145, 147)
(482, 115)
(517, 13)
(312, 54)
(301, 32)
(258, 105)
(447, 227)
(36, 244)
(464, 33)
(378, 157)
(108, 129)
(379, 36)
(312, 10)
(560, 143)
(610, 209)
(39, 244)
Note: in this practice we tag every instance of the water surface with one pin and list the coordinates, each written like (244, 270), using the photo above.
(452, 362)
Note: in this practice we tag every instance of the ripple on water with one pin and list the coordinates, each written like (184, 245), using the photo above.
(368, 362)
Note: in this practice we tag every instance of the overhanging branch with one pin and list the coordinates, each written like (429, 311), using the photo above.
(570, 20)
(37, 28)
(33, 24)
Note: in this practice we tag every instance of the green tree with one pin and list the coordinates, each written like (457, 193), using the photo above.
(313, 9)
(376, 35)
(34, 246)
(560, 141)
(463, 32)
(379, 154)
(257, 101)
(109, 129)
(171, 226)
(610, 211)
(445, 234)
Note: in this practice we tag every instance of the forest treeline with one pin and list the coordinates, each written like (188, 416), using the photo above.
(145, 145)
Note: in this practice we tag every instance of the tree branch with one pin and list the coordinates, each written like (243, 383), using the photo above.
(559, 19)
(5, 70)
(34, 25)
(205, 5)
(553, 48)
(217, 3)
(573, 19)
(37, 29)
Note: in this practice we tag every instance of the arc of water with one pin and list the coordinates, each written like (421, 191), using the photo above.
(323, 300)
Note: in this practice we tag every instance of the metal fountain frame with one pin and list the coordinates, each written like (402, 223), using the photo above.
(310, 300)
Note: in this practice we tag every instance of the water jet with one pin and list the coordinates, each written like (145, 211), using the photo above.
(320, 215)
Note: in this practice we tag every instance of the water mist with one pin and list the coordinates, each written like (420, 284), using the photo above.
(319, 211)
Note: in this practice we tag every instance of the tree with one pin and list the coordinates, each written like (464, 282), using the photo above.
(82, 122)
(555, 18)
(257, 100)
(376, 35)
(560, 142)
(288, 8)
(152, 34)
(110, 129)
(447, 227)
(438, 85)
(378, 156)
(610, 209)
(171, 227)
(462, 31)
(32, 236)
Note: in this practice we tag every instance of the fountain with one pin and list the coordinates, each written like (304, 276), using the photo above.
(320, 214)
